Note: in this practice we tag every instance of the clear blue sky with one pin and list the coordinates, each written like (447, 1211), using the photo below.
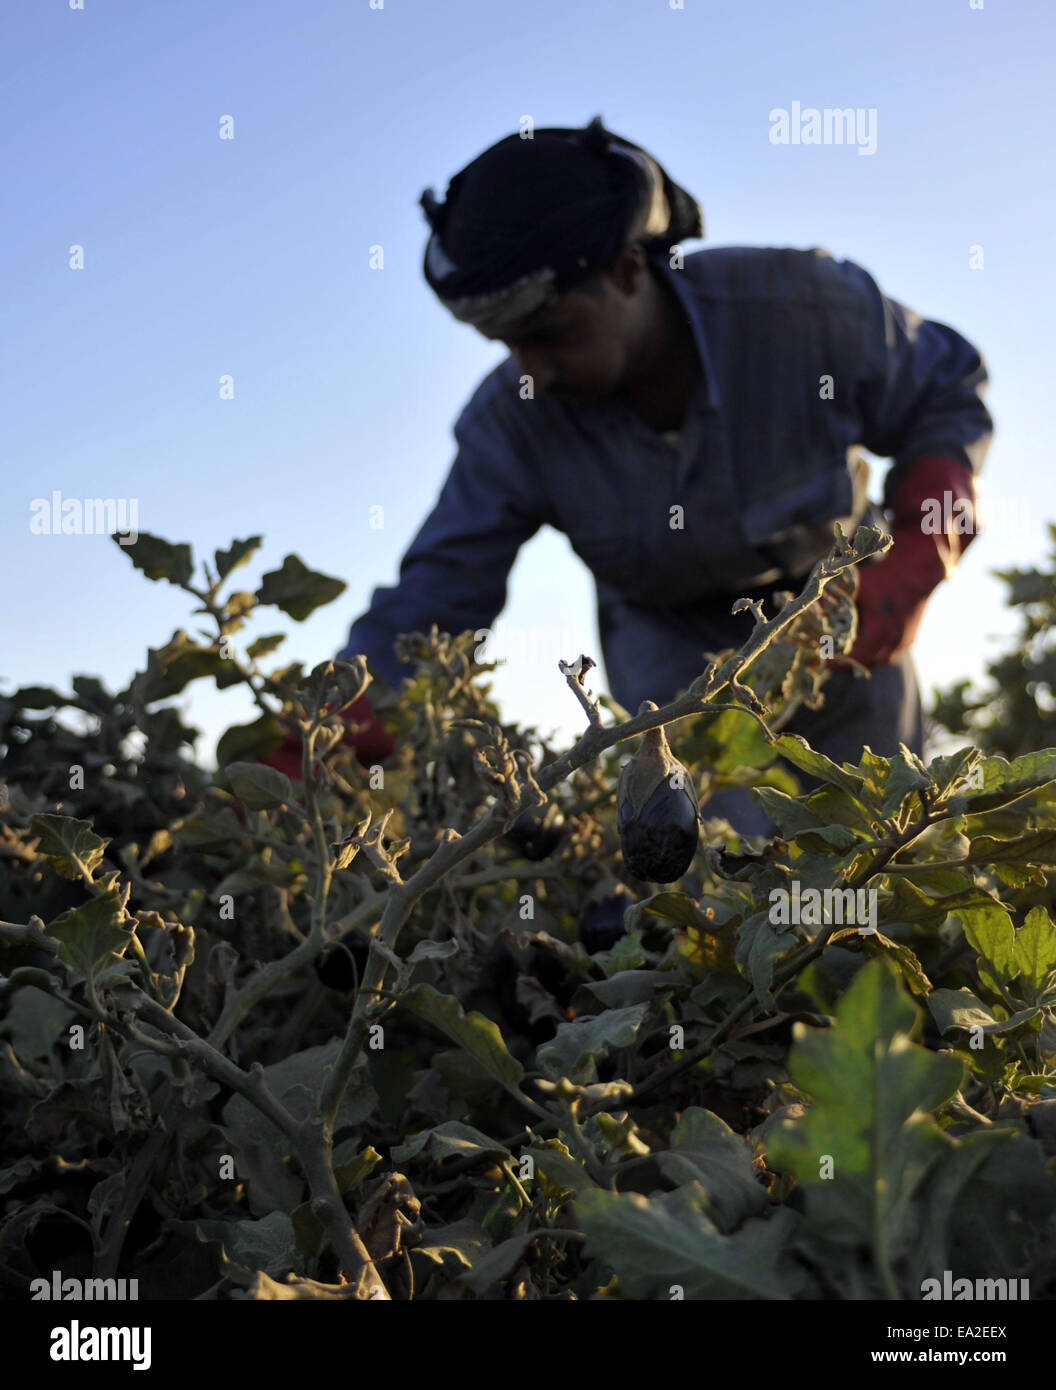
(250, 256)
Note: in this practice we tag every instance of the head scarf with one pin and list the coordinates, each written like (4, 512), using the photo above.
(529, 218)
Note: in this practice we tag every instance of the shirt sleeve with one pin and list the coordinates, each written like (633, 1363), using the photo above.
(918, 384)
(456, 569)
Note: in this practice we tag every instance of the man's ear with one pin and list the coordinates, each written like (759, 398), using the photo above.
(628, 270)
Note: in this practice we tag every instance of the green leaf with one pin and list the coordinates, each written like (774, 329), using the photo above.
(297, 590)
(243, 742)
(948, 1191)
(206, 828)
(960, 1009)
(905, 776)
(871, 1088)
(500, 1262)
(453, 1248)
(1004, 782)
(450, 1140)
(1035, 847)
(37, 697)
(989, 929)
(1005, 1218)
(952, 769)
(239, 553)
(634, 986)
(160, 559)
(799, 753)
(68, 845)
(1035, 950)
(263, 645)
(576, 1046)
(268, 1245)
(826, 837)
(831, 806)
(261, 788)
(563, 1173)
(736, 741)
(760, 945)
(478, 1035)
(91, 939)
(789, 813)
(104, 1196)
(674, 907)
(704, 1149)
(656, 1243)
(262, 1152)
(170, 669)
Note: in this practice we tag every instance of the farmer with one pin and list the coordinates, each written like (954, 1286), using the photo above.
(689, 422)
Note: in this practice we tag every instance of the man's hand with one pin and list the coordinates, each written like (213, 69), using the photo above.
(371, 743)
(893, 591)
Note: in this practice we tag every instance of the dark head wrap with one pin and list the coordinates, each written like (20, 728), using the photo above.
(529, 218)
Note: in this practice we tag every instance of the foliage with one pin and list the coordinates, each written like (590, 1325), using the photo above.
(734, 1101)
(1015, 712)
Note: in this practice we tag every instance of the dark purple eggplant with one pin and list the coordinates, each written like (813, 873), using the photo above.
(601, 922)
(537, 833)
(340, 965)
(657, 815)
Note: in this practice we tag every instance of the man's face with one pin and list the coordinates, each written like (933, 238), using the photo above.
(577, 349)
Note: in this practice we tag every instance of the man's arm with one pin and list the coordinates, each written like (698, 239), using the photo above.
(455, 571)
(917, 387)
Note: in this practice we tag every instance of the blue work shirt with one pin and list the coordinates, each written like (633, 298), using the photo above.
(803, 358)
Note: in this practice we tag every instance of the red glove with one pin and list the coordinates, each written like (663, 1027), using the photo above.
(371, 744)
(930, 532)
